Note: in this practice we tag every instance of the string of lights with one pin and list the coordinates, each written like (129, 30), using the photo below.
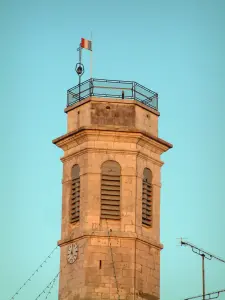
(52, 282)
(49, 285)
(217, 294)
(32, 275)
(52, 285)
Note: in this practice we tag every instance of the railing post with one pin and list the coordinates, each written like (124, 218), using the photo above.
(133, 92)
(156, 101)
(92, 87)
(68, 99)
(90, 94)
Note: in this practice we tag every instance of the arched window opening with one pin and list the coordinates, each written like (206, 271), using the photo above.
(110, 190)
(75, 195)
(147, 198)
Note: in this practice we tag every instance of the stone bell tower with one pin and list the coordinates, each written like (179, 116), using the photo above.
(110, 240)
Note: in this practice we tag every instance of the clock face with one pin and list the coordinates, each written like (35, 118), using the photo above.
(72, 253)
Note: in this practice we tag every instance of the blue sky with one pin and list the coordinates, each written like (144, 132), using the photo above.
(176, 48)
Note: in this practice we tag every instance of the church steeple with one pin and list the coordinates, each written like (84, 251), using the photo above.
(110, 241)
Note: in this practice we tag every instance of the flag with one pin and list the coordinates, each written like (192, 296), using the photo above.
(86, 44)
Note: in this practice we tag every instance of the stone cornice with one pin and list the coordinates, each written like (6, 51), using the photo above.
(116, 234)
(141, 138)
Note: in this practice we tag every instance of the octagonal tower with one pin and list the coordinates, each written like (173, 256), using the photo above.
(110, 238)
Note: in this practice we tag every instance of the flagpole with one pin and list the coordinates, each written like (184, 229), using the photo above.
(80, 57)
(80, 54)
(91, 56)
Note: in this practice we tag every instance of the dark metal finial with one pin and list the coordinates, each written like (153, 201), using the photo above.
(79, 69)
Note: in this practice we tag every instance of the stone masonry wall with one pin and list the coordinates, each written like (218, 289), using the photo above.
(110, 112)
(115, 257)
(110, 266)
(132, 246)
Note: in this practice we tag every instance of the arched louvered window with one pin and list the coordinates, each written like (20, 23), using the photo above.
(110, 190)
(147, 198)
(75, 195)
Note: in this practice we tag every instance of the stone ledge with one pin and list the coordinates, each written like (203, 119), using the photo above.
(137, 135)
(111, 100)
(115, 234)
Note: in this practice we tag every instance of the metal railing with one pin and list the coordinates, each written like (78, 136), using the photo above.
(112, 89)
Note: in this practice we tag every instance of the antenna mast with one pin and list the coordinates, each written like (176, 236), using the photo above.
(204, 255)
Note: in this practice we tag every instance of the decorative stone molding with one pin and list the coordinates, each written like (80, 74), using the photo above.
(116, 234)
(138, 137)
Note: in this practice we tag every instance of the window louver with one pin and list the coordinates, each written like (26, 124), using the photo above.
(147, 198)
(110, 191)
(75, 195)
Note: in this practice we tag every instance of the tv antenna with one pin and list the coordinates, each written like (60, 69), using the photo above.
(214, 295)
(204, 255)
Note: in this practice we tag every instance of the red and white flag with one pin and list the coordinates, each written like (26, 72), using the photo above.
(86, 44)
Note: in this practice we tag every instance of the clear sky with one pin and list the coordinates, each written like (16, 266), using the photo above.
(176, 48)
